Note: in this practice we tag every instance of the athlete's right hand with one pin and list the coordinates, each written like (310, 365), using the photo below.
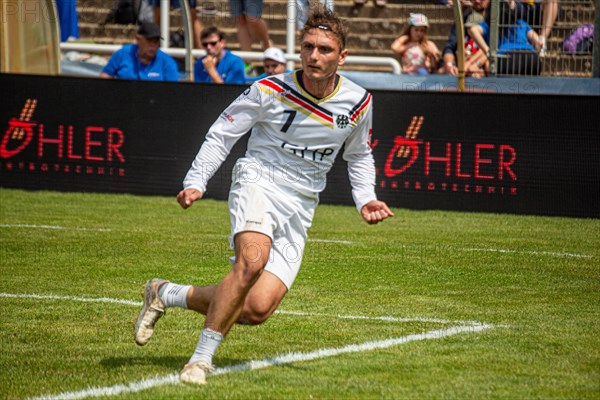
(187, 197)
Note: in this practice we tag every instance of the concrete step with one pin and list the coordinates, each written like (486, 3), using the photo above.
(372, 29)
(380, 42)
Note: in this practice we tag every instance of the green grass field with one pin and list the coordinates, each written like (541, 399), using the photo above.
(525, 291)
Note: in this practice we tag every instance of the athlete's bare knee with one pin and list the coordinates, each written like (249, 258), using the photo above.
(255, 313)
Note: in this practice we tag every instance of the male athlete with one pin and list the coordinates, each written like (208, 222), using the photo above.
(299, 122)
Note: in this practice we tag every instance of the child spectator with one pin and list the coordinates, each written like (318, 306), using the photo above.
(418, 54)
(538, 13)
(273, 64)
(474, 64)
(518, 45)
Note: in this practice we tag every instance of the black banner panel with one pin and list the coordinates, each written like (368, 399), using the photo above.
(526, 154)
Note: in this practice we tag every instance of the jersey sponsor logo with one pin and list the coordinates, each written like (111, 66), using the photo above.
(228, 117)
(305, 152)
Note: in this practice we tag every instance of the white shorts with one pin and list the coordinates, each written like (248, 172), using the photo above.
(278, 212)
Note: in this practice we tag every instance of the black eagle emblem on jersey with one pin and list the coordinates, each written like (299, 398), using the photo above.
(342, 121)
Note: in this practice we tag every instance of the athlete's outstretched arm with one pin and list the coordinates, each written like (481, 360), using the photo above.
(375, 211)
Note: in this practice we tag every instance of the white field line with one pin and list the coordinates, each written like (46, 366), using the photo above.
(265, 363)
(72, 298)
(296, 313)
(379, 318)
(329, 241)
(530, 252)
(509, 251)
(57, 227)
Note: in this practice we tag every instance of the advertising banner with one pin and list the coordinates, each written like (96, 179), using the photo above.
(529, 154)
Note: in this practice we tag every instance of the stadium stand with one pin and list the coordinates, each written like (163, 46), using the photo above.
(373, 28)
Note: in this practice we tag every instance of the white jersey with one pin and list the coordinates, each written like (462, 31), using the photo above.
(295, 137)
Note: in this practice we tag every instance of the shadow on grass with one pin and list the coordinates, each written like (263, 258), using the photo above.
(174, 362)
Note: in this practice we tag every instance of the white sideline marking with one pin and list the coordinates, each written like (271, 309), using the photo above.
(531, 252)
(298, 313)
(492, 250)
(330, 241)
(67, 228)
(265, 363)
(73, 298)
(379, 318)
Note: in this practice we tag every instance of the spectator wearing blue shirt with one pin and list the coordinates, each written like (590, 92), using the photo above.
(144, 60)
(219, 65)
(518, 45)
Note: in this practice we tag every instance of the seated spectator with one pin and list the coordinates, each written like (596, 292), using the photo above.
(219, 65)
(273, 64)
(67, 19)
(418, 54)
(196, 24)
(378, 3)
(144, 60)
(474, 66)
(581, 40)
(538, 13)
(518, 44)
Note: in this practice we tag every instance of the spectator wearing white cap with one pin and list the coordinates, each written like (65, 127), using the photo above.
(273, 63)
(418, 54)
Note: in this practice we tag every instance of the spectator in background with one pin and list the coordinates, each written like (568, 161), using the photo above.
(378, 3)
(248, 15)
(273, 64)
(542, 13)
(144, 60)
(196, 24)
(418, 54)
(518, 45)
(67, 19)
(302, 7)
(219, 65)
(474, 65)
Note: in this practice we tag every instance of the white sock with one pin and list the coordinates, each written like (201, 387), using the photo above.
(207, 346)
(174, 295)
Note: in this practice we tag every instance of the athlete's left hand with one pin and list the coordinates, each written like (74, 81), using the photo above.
(375, 211)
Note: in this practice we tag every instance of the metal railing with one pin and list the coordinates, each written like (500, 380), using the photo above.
(190, 54)
(560, 57)
(247, 55)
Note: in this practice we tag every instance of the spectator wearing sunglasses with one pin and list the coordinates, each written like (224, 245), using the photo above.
(219, 65)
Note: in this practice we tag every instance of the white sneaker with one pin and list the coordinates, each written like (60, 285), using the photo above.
(544, 48)
(151, 312)
(195, 372)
